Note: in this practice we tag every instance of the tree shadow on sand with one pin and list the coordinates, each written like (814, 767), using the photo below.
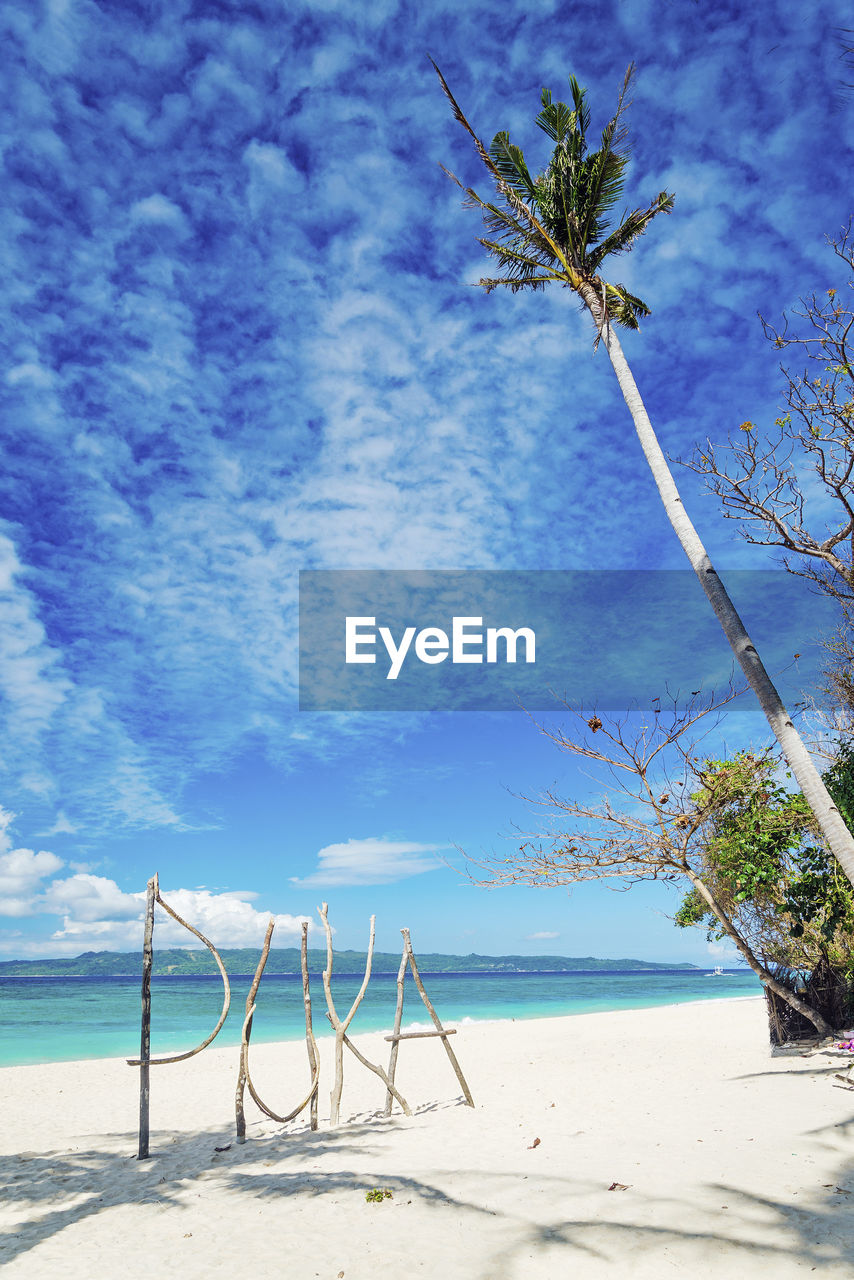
(55, 1190)
(825, 1062)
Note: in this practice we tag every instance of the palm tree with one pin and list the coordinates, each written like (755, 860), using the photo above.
(555, 228)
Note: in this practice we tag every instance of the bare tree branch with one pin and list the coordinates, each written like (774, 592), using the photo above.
(762, 478)
(667, 800)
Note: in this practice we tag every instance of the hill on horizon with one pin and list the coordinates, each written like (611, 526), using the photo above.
(185, 961)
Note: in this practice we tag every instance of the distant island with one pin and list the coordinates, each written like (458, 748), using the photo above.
(238, 961)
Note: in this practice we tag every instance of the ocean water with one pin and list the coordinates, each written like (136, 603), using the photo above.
(64, 1019)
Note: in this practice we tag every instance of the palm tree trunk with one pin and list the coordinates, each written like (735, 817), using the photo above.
(839, 839)
(765, 976)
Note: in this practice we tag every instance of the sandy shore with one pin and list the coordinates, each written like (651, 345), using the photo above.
(736, 1164)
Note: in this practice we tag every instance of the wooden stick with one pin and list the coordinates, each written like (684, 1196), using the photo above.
(398, 1017)
(310, 1042)
(240, 1117)
(180, 1057)
(339, 1025)
(145, 1031)
(378, 1071)
(407, 944)
(245, 1077)
(363, 988)
(262, 1106)
(335, 1095)
(421, 1035)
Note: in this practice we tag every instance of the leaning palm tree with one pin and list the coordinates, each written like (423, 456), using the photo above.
(556, 228)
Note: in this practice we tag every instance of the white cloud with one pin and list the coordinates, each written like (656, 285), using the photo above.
(47, 715)
(98, 915)
(272, 176)
(30, 372)
(159, 209)
(32, 682)
(6, 820)
(21, 872)
(227, 919)
(724, 953)
(544, 935)
(61, 826)
(22, 869)
(89, 899)
(370, 861)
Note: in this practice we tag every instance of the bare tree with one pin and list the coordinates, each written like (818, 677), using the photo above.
(655, 829)
(839, 673)
(763, 477)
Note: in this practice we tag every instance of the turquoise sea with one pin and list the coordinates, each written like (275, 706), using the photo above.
(63, 1019)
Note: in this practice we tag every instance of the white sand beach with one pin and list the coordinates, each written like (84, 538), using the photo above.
(735, 1164)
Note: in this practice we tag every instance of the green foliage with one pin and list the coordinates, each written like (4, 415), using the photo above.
(695, 910)
(839, 780)
(756, 823)
(377, 1194)
(759, 858)
(558, 226)
(818, 895)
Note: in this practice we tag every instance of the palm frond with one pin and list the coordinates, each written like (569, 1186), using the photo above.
(615, 130)
(496, 218)
(515, 286)
(633, 225)
(450, 174)
(501, 223)
(515, 260)
(579, 98)
(607, 168)
(623, 307)
(510, 163)
(555, 119)
(516, 202)
(606, 182)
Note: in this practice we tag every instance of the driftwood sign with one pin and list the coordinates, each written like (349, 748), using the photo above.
(339, 1026)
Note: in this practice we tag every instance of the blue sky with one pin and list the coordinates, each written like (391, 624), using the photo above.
(240, 343)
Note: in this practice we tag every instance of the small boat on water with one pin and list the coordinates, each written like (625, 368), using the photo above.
(718, 973)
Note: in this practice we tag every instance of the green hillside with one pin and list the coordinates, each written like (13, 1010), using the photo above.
(180, 961)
